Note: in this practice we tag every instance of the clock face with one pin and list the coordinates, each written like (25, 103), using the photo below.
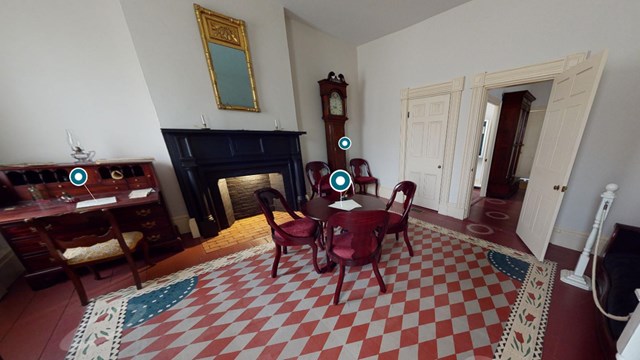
(335, 104)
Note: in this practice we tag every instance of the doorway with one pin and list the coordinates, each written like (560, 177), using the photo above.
(575, 82)
(495, 122)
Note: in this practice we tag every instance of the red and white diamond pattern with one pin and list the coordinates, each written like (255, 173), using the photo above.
(445, 302)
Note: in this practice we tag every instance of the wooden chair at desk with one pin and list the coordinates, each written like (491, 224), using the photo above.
(95, 238)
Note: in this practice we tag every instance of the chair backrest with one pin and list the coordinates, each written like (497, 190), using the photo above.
(361, 228)
(325, 180)
(408, 189)
(269, 200)
(315, 171)
(88, 228)
(360, 167)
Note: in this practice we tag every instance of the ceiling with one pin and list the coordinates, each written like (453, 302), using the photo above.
(360, 21)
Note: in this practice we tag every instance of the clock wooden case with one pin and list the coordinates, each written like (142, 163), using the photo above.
(333, 94)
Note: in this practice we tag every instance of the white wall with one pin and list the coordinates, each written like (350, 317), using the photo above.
(492, 35)
(71, 64)
(115, 73)
(166, 37)
(313, 55)
(10, 266)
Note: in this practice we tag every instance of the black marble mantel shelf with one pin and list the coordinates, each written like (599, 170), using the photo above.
(201, 157)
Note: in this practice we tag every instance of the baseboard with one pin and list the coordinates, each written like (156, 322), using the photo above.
(574, 240)
(452, 211)
(182, 222)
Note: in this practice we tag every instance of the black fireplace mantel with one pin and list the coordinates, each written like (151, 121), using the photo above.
(201, 157)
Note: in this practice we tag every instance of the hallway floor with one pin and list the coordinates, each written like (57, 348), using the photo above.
(40, 325)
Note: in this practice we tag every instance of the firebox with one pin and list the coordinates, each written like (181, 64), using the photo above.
(218, 170)
(237, 194)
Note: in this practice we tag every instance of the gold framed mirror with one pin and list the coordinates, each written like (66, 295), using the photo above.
(226, 50)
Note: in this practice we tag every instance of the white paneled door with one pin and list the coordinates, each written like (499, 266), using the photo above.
(424, 155)
(565, 119)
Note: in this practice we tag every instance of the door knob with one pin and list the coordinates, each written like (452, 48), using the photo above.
(556, 187)
(564, 188)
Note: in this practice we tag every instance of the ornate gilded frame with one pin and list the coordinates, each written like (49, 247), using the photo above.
(226, 34)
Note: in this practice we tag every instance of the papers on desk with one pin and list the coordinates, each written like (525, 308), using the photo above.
(347, 205)
(96, 202)
(136, 194)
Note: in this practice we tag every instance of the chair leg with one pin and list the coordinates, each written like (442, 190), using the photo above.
(284, 250)
(406, 241)
(134, 271)
(82, 294)
(314, 250)
(377, 188)
(376, 271)
(336, 297)
(274, 268)
(397, 236)
(321, 235)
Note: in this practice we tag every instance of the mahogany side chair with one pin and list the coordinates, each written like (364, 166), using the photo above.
(400, 222)
(362, 175)
(96, 238)
(315, 170)
(358, 242)
(299, 231)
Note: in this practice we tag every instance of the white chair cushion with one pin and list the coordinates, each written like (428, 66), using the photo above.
(102, 250)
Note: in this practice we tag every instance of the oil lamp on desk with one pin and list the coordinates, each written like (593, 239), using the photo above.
(79, 154)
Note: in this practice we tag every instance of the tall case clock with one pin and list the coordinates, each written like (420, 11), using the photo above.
(333, 94)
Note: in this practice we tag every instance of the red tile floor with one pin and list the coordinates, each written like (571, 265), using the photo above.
(40, 325)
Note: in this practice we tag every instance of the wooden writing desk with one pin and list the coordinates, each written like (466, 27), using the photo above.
(17, 183)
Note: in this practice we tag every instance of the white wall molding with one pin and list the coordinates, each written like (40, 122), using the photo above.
(454, 89)
(450, 209)
(481, 84)
(575, 240)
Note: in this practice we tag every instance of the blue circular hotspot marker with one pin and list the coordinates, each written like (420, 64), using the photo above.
(78, 176)
(344, 143)
(340, 180)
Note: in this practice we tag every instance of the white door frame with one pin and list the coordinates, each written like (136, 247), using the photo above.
(454, 89)
(487, 81)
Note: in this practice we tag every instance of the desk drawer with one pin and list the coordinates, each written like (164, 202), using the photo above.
(28, 245)
(18, 231)
(138, 182)
(159, 234)
(136, 214)
(38, 262)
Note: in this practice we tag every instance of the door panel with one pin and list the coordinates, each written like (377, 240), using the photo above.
(427, 124)
(567, 113)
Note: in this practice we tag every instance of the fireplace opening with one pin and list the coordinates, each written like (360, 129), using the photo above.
(237, 194)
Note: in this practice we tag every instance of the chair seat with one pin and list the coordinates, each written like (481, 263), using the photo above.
(343, 248)
(365, 179)
(395, 224)
(298, 228)
(103, 250)
(325, 187)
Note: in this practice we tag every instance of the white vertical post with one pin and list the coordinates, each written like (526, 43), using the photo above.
(577, 277)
